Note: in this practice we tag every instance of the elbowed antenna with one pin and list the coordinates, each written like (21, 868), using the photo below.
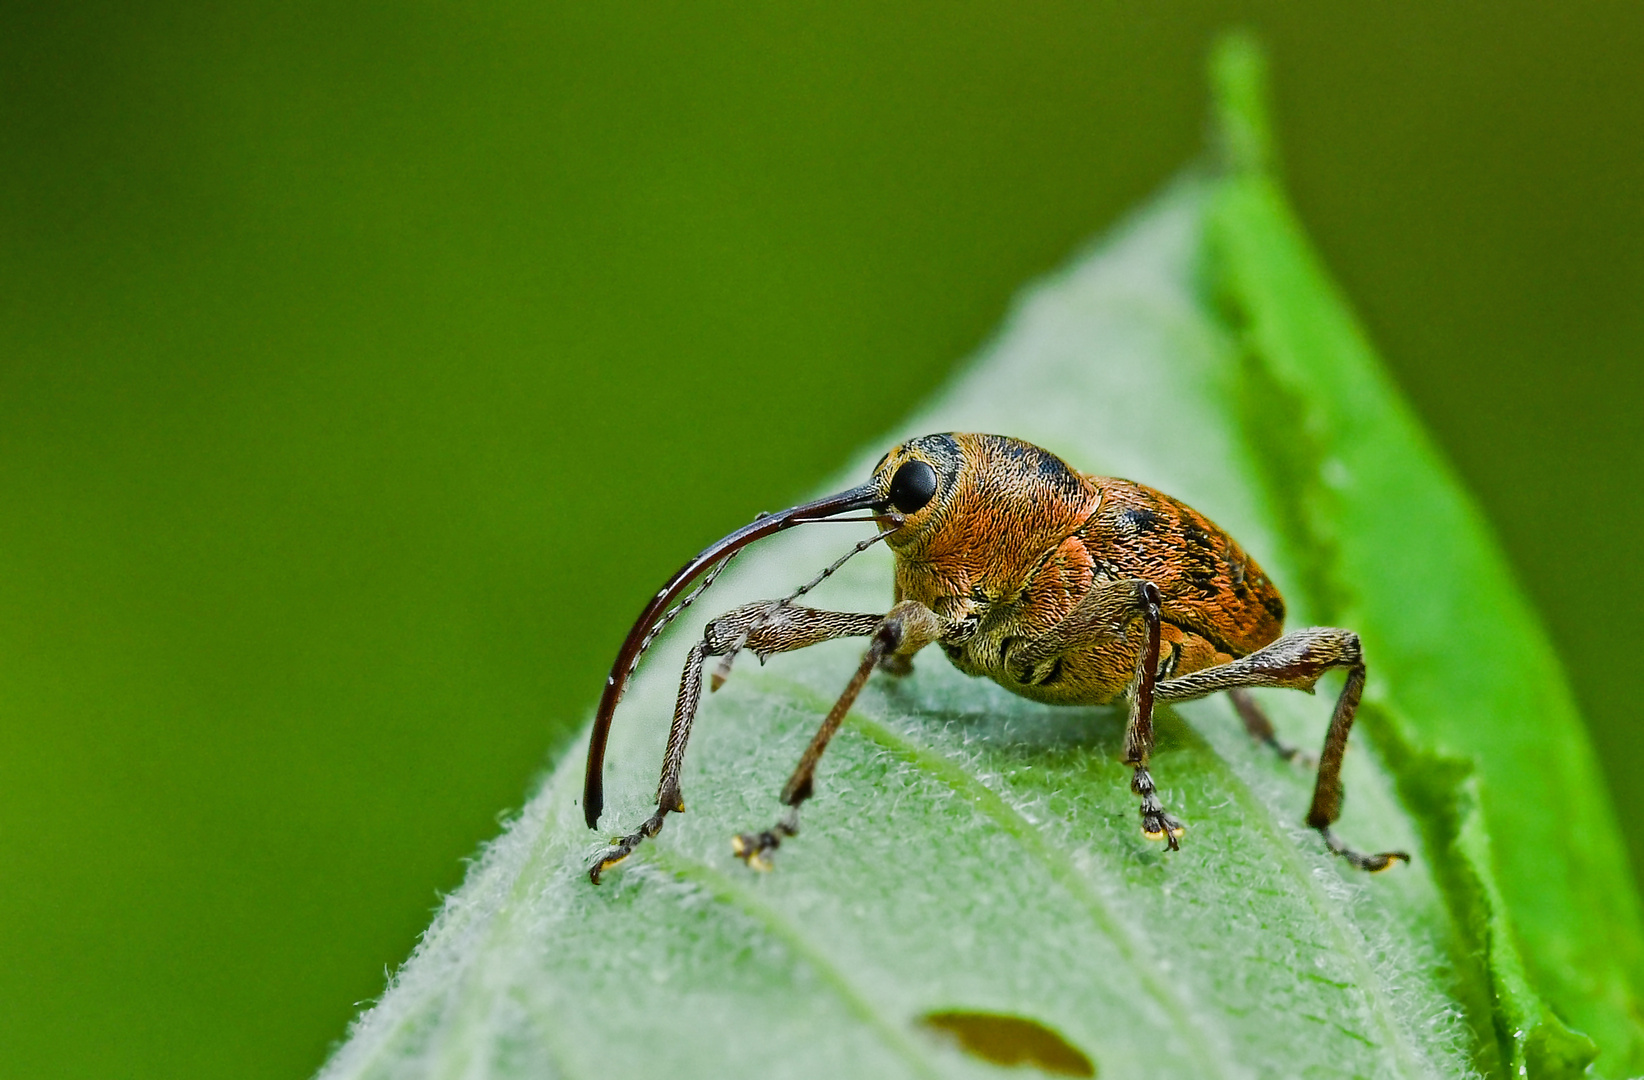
(866, 497)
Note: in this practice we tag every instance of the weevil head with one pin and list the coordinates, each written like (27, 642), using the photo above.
(954, 503)
(919, 479)
(959, 492)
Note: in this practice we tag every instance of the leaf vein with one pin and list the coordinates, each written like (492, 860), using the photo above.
(1033, 841)
(727, 890)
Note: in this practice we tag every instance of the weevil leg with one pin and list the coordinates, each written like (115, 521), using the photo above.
(1156, 824)
(1103, 615)
(755, 848)
(767, 627)
(1296, 661)
(905, 629)
(1261, 729)
(668, 796)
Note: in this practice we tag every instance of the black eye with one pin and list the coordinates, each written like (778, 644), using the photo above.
(912, 486)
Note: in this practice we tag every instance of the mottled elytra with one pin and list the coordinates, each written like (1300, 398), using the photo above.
(1063, 587)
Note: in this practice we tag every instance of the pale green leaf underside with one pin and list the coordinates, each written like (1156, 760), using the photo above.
(970, 850)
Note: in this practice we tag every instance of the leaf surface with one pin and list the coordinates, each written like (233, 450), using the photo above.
(971, 852)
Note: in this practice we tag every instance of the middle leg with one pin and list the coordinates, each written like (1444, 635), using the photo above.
(1107, 614)
(1156, 824)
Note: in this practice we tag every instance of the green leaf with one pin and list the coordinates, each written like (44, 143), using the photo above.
(971, 885)
(1402, 556)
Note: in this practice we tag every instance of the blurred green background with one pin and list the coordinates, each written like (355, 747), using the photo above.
(363, 370)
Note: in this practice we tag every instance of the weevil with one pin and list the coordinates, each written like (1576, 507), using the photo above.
(1061, 586)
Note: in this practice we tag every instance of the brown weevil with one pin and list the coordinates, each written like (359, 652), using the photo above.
(1063, 587)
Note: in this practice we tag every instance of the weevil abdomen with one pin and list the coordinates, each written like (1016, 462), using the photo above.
(1210, 587)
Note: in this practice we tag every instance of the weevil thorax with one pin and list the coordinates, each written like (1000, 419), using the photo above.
(1000, 507)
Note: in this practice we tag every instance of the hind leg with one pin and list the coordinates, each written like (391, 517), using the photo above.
(1296, 661)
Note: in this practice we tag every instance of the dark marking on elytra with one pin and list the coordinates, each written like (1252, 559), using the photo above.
(1274, 603)
(1001, 1039)
(1140, 520)
(1202, 579)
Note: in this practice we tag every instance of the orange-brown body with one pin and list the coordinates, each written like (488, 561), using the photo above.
(1063, 587)
(1019, 537)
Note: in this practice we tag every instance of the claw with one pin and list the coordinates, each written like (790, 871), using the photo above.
(607, 859)
(751, 848)
(1295, 755)
(1160, 826)
(1375, 864)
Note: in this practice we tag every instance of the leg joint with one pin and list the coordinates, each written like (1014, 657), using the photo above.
(889, 635)
(1352, 652)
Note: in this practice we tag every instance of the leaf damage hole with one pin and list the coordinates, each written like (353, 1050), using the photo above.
(1010, 1040)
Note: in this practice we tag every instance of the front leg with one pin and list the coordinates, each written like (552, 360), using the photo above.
(767, 627)
(905, 629)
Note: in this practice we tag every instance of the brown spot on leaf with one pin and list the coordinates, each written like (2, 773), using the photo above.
(1010, 1040)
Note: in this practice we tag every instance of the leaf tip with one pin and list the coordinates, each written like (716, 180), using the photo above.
(1243, 134)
